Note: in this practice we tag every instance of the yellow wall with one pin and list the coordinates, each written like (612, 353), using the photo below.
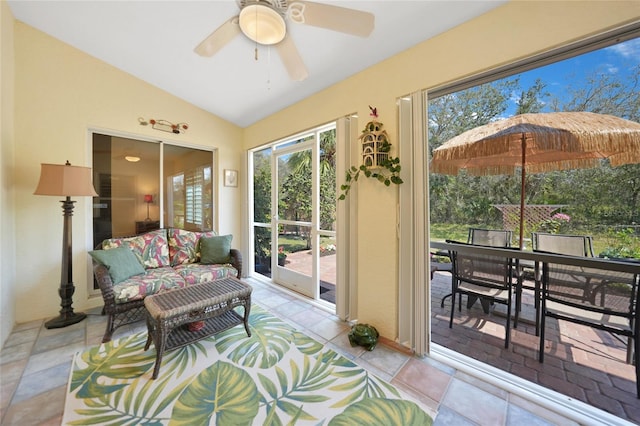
(506, 34)
(7, 210)
(60, 94)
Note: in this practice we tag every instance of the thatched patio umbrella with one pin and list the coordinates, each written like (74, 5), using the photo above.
(537, 143)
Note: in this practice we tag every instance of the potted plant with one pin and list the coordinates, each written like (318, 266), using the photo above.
(282, 256)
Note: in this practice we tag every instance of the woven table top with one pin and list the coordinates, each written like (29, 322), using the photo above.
(175, 302)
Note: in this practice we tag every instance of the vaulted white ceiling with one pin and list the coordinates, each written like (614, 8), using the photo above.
(154, 41)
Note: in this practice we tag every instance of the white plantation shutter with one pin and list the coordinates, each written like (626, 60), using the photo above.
(194, 188)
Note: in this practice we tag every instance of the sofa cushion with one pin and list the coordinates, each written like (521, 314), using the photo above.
(151, 248)
(183, 245)
(151, 282)
(197, 273)
(120, 262)
(215, 250)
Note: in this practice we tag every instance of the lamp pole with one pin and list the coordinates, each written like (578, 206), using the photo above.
(67, 316)
(65, 180)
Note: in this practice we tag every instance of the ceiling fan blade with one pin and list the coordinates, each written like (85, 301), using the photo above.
(334, 18)
(291, 59)
(219, 38)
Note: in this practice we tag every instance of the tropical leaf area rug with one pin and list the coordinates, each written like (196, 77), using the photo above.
(277, 376)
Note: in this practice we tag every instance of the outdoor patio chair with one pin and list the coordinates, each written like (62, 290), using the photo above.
(596, 297)
(485, 237)
(489, 237)
(488, 277)
(570, 245)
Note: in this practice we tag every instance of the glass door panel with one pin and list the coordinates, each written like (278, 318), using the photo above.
(261, 167)
(125, 173)
(262, 249)
(327, 269)
(188, 188)
(291, 254)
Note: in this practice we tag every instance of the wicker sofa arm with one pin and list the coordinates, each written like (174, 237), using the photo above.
(101, 274)
(236, 261)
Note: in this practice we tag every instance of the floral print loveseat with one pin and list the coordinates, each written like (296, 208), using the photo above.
(129, 269)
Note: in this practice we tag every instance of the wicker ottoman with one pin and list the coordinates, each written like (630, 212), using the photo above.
(168, 313)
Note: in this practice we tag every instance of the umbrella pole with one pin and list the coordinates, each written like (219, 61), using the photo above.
(522, 188)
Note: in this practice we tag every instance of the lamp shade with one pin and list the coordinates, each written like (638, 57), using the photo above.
(65, 180)
(148, 198)
(262, 24)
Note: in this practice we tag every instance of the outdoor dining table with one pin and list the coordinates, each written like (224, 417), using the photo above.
(528, 260)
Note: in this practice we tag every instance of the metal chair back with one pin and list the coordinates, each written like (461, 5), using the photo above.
(489, 237)
(570, 245)
(483, 276)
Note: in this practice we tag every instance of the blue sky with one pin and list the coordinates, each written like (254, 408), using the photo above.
(618, 60)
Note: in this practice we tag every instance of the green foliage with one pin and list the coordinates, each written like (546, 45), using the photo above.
(626, 244)
(377, 411)
(90, 380)
(268, 344)
(449, 231)
(222, 390)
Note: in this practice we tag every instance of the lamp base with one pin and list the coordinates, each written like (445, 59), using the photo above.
(65, 320)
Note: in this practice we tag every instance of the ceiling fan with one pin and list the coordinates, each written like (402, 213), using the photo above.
(263, 21)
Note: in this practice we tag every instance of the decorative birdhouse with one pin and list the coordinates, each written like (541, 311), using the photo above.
(377, 163)
(375, 144)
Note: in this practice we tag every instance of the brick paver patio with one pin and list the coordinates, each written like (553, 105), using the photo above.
(583, 363)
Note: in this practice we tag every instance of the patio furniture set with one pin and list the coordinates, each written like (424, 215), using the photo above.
(597, 293)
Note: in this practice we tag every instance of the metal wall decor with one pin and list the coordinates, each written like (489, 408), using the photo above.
(164, 125)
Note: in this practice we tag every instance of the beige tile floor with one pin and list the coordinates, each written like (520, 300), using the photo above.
(35, 365)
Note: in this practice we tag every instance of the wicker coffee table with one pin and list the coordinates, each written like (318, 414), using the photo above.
(168, 313)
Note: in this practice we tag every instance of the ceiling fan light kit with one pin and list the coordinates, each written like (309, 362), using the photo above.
(261, 23)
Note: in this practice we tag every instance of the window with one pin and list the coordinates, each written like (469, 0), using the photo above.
(196, 182)
(189, 175)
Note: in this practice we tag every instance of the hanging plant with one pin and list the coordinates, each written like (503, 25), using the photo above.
(377, 163)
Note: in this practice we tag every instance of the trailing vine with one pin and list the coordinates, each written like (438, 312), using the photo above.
(377, 163)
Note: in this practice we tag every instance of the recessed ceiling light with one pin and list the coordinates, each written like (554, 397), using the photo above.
(132, 158)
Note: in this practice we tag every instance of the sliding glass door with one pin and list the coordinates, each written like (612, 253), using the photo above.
(146, 185)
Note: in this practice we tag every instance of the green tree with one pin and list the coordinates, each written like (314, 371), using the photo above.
(594, 197)
(262, 201)
(453, 114)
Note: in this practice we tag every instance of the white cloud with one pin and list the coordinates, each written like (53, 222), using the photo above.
(629, 49)
(611, 68)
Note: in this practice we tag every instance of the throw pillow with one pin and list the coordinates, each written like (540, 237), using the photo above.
(120, 261)
(183, 245)
(150, 248)
(215, 250)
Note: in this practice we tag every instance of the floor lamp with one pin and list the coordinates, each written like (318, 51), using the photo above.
(67, 181)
